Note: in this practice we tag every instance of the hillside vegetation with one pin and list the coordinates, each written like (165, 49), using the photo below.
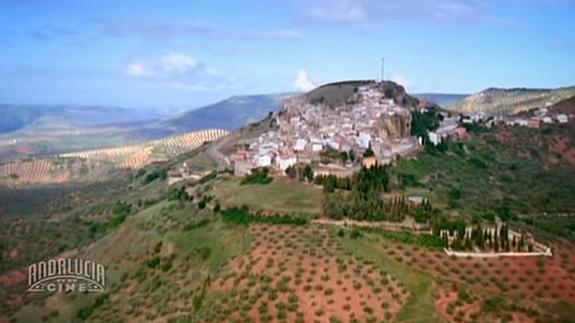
(507, 172)
(180, 257)
(219, 249)
(496, 101)
(180, 260)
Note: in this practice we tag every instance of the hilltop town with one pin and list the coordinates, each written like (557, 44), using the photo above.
(367, 120)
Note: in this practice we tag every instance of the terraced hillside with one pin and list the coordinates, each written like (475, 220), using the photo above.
(494, 101)
(51, 171)
(136, 156)
(98, 163)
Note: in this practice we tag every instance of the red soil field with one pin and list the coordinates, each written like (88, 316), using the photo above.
(310, 271)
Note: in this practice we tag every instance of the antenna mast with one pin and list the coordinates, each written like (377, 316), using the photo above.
(382, 67)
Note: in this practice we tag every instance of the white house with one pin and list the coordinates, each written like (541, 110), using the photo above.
(263, 160)
(562, 118)
(333, 144)
(286, 161)
(434, 138)
(316, 146)
(363, 140)
(300, 144)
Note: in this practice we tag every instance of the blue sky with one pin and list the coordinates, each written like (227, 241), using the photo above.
(184, 54)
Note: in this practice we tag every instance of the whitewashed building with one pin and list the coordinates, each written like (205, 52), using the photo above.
(316, 146)
(300, 144)
(263, 160)
(434, 138)
(285, 161)
(363, 140)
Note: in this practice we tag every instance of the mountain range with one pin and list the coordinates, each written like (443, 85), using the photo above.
(18, 117)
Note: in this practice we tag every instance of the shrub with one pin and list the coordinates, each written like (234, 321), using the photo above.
(153, 263)
(355, 234)
(491, 304)
(257, 176)
(242, 216)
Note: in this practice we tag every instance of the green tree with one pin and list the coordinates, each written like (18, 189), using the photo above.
(308, 173)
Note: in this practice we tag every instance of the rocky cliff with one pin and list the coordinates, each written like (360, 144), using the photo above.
(394, 127)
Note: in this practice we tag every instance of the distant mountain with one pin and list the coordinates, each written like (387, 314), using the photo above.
(496, 101)
(441, 99)
(19, 117)
(229, 114)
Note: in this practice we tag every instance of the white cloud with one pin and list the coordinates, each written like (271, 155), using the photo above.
(338, 11)
(401, 80)
(179, 71)
(172, 64)
(365, 12)
(177, 63)
(185, 28)
(302, 81)
(138, 69)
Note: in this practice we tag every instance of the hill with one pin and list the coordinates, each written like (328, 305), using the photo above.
(496, 101)
(229, 114)
(34, 117)
(441, 99)
(340, 93)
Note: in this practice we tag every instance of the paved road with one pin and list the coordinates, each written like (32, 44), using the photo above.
(215, 153)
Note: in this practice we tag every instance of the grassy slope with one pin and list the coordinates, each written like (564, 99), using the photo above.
(127, 250)
(279, 196)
